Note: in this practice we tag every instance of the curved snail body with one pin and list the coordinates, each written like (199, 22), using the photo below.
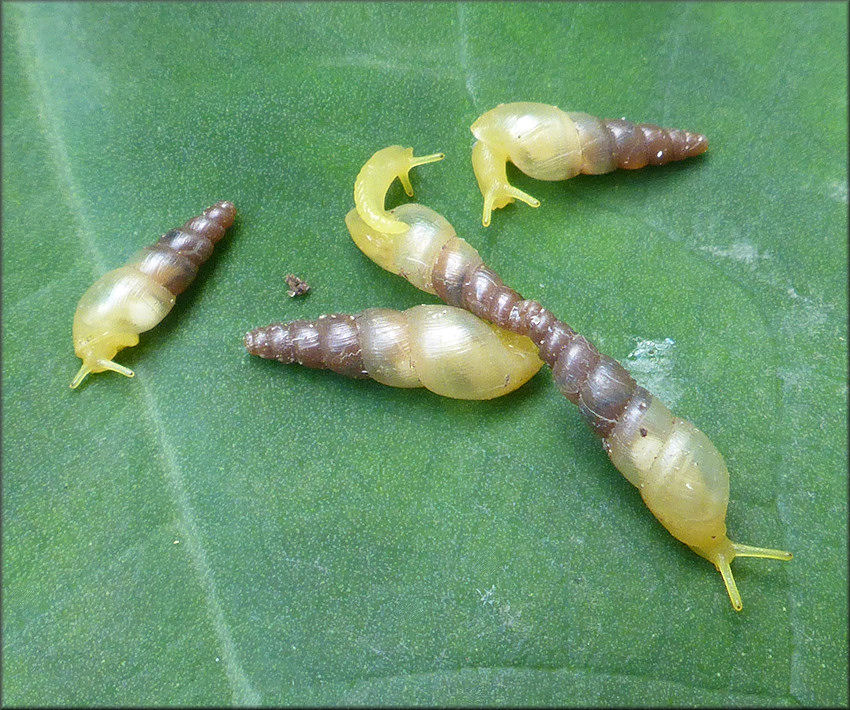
(137, 296)
(547, 143)
(681, 476)
(444, 349)
(375, 178)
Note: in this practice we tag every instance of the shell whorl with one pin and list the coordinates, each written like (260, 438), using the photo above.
(174, 259)
(598, 384)
(331, 342)
(635, 145)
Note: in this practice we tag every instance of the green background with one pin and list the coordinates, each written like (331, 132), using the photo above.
(223, 529)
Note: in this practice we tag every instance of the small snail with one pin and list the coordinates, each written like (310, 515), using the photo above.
(549, 144)
(681, 476)
(446, 350)
(375, 178)
(137, 296)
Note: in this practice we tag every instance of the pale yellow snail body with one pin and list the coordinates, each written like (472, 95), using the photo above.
(375, 178)
(547, 143)
(680, 474)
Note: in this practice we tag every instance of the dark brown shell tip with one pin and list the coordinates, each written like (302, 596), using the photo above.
(697, 144)
(223, 212)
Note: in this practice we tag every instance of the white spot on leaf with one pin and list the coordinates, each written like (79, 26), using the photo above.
(744, 252)
(651, 364)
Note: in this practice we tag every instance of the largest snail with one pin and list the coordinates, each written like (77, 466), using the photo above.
(680, 474)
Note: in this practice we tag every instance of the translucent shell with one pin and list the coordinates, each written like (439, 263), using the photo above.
(446, 350)
(540, 140)
(375, 178)
(680, 474)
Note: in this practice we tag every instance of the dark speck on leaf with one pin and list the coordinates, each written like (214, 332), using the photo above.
(297, 287)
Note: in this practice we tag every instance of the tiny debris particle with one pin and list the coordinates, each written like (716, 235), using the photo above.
(643, 431)
(177, 542)
(297, 287)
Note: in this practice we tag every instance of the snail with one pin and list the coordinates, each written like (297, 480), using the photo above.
(375, 178)
(444, 349)
(680, 474)
(547, 143)
(137, 296)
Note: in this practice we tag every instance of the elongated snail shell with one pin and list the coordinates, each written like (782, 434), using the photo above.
(375, 178)
(681, 476)
(547, 143)
(446, 350)
(137, 296)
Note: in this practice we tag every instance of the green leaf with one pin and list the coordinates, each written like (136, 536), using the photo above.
(223, 529)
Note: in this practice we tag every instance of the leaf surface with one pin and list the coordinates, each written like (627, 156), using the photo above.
(228, 530)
